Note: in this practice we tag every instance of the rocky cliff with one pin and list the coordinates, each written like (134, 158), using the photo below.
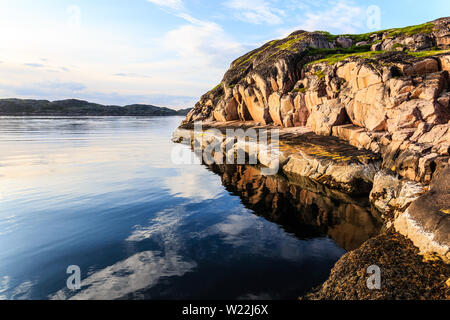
(386, 92)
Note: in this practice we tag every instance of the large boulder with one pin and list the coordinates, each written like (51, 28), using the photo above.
(344, 42)
(327, 115)
(427, 220)
(391, 194)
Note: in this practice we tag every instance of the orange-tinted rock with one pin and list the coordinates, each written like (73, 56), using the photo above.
(274, 108)
(287, 110)
(445, 62)
(423, 67)
(256, 108)
(301, 114)
(324, 116)
(226, 110)
(390, 101)
(366, 77)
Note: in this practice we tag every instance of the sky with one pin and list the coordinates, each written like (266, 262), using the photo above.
(163, 52)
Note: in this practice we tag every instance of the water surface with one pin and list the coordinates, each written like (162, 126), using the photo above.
(102, 193)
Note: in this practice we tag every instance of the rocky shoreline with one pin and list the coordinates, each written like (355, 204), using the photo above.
(407, 272)
(368, 117)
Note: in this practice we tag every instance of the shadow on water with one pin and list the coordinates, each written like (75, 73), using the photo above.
(301, 206)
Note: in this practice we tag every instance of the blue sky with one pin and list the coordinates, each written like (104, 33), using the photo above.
(163, 52)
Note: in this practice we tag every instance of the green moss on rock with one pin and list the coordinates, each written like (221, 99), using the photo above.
(320, 74)
(299, 90)
(332, 59)
(422, 54)
(412, 30)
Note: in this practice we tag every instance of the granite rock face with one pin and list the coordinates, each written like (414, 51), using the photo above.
(427, 220)
(395, 105)
(386, 92)
(394, 101)
(391, 194)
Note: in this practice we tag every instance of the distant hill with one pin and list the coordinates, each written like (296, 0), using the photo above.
(73, 107)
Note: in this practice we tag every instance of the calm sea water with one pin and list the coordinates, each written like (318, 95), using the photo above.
(103, 194)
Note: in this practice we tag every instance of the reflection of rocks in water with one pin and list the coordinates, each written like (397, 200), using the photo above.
(302, 207)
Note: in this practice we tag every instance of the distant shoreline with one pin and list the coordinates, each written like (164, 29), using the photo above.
(89, 115)
(80, 108)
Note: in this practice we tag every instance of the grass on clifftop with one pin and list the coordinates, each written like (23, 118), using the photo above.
(253, 54)
(263, 56)
(412, 30)
(422, 54)
(394, 32)
(290, 41)
(288, 44)
(336, 57)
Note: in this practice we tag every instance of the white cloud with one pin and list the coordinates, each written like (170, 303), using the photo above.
(21, 292)
(34, 65)
(342, 16)
(165, 222)
(151, 69)
(202, 43)
(257, 235)
(195, 185)
(143, 270)
(255, 11)
(168, 67)
(171, 4)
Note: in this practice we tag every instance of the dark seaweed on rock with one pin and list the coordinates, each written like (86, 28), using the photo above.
(405, 275)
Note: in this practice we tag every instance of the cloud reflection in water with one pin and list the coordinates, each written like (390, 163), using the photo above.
(144, 269)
